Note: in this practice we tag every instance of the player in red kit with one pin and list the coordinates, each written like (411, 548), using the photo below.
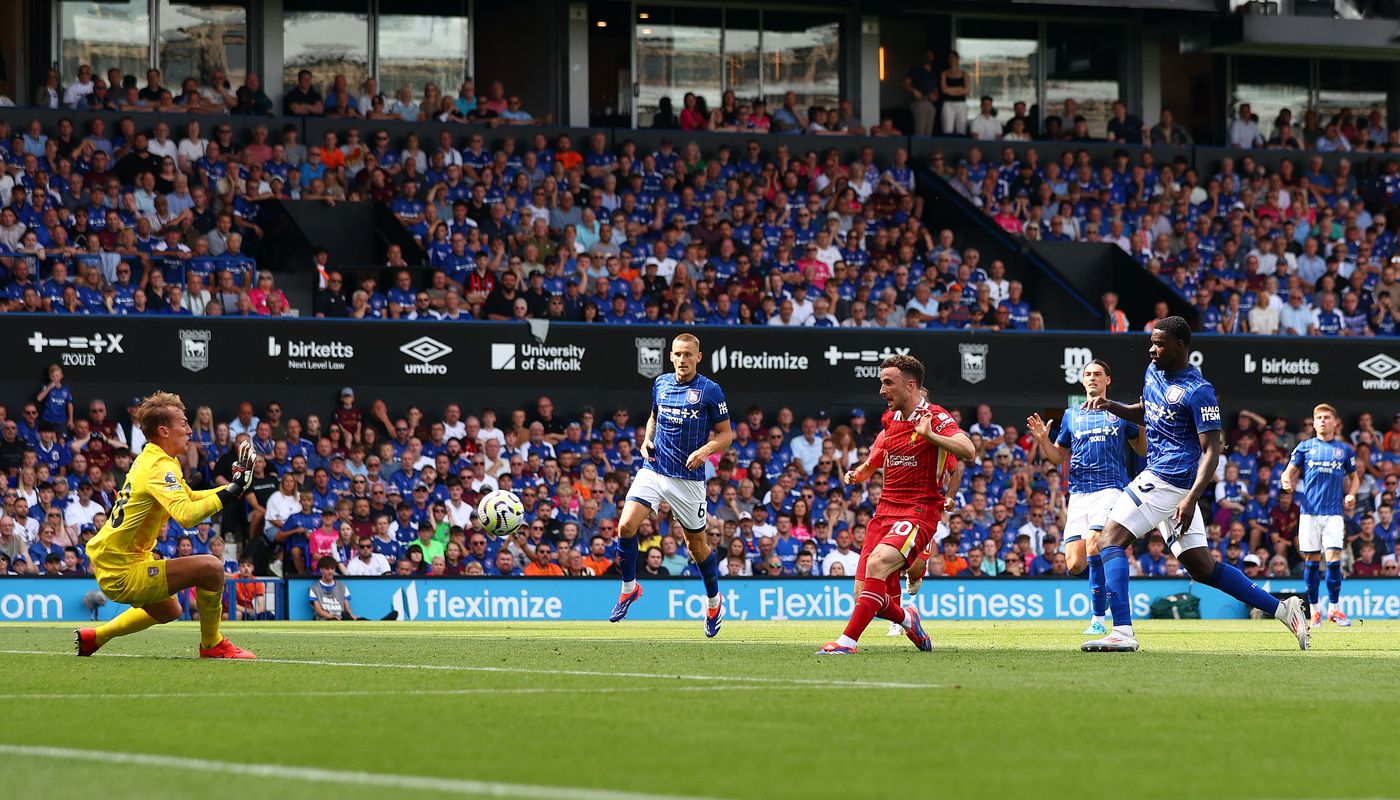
(913, 447)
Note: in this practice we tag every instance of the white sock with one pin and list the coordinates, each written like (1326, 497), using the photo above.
(1334, 607)
(1281, 613)
(846, 641)
(712, 602)
(1124, 630)
(628, 586)
(908, 622)
(1098, 618)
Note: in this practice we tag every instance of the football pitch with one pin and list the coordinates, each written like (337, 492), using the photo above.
(654, 710)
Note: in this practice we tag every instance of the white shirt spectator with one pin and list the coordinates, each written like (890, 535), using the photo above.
(809, 453)
(1264, 320)
(457, 430)
(1244, 134)
(801, 311)
(235, 427)
(985, 128)
(163, 149)
(191, 150)
(76, 93)
(491, 433)
(850, 560)
(997, 290)
(1295, 321)
(280, 507)
(460, 515)
(377, 565)
(1037, 535)
(665, 267)
(928, 308)
(485, 483)
(79, 513)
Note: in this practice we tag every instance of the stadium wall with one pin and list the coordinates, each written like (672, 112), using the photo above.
(304, 363)
(552, 599)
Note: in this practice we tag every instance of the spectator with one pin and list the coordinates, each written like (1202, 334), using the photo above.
(1167, 132)
(302, 100)
(922, 85)
(985, 126)
(953, 87)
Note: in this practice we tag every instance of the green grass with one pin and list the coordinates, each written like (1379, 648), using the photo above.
(1206, 710)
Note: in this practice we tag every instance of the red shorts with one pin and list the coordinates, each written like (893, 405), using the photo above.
(908, 529)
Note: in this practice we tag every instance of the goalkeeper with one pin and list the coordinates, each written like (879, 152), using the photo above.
(155, 491)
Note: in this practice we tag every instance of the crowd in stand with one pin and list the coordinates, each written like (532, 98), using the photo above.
(136, 221)
(381, 491)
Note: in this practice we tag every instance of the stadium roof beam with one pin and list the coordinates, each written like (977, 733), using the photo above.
(1298, 36)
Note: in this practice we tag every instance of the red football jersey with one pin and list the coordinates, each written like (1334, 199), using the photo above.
(915, 468)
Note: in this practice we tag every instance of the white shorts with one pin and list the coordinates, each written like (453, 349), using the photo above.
(1149, 502)
(1316, 533)
(1088, 512)
(686, 498)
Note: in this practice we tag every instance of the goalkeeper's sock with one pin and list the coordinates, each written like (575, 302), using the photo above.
(211, 610)
(132, 620)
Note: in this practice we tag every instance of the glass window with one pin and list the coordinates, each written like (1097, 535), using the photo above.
(1001, 58)
(196, 39)
(678, 51)
(1358, 86)
(429, 46)
(801, 54)
(1083, 65)
(741, 56)
(1270, 85)
(325, 41)
(105, 35)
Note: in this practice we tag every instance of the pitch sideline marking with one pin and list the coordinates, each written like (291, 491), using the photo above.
(349, 777)
(815, 682)
(396, 692)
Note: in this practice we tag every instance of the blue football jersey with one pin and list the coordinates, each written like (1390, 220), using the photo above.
(1177, 409)
(1098, 449)
(1325, 467)
(686, 413)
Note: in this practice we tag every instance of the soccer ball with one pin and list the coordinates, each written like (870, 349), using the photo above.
(500, 513)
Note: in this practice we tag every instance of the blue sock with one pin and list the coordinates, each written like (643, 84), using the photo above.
(1096, 585)
(1115, 574)
(1312, 577)
(709, 572)
(627, 558)
(1334, 581)
(1234, 583)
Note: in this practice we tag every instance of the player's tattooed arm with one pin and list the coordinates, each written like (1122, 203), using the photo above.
(1211, 444)
(1132, 413)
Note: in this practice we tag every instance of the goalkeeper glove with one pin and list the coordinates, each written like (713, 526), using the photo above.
(242, 478)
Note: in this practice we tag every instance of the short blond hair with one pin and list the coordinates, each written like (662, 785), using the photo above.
(156, 410)
(1328, 407)
(688, 337)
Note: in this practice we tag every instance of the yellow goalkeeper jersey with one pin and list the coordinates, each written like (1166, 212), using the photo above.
(155, 492)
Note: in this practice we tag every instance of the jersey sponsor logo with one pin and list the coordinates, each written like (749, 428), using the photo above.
(425, 350)
(1074, 362)
(893, 460)
(679, 413)
(1210, 413)
(1157, 411)
(1383, 368)
(724, 409)
(651, 356)
(974, 362)
(194, 349)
